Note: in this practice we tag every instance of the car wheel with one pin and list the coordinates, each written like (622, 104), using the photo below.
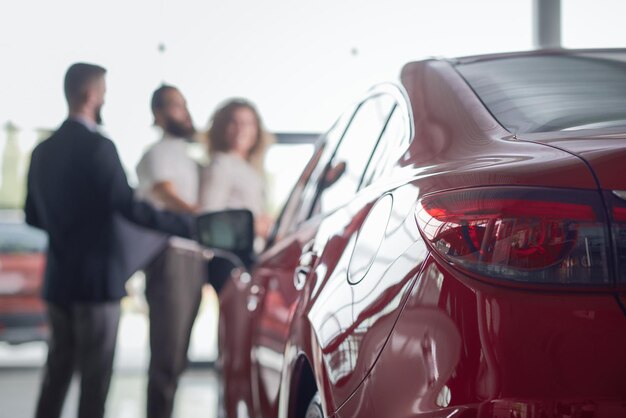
(315, 407)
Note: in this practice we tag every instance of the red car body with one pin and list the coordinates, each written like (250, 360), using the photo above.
(448, 253)
(22, 264)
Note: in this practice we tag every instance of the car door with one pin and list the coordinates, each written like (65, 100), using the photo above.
(369, 251)
(272, 291)
(285, 266)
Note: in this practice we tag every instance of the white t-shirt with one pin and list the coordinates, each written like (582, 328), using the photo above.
(169, 160)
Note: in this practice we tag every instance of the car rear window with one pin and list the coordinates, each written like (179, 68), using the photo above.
(551, 92)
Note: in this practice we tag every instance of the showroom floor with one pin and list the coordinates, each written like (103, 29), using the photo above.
(197, 397)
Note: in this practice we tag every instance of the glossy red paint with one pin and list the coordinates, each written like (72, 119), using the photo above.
(605, 153)
(22, 311)
(349, 299)
(471, 349)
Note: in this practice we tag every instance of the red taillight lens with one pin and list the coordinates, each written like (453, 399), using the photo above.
(521, 234)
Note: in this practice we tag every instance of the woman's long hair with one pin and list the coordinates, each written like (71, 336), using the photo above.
(217, 132)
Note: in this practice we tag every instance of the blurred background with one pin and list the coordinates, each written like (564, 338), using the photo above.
(301, 62)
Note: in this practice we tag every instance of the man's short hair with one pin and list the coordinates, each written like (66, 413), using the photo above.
(77, 79)
(158, 97)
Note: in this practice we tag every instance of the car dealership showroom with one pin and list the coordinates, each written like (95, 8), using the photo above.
(313, 209)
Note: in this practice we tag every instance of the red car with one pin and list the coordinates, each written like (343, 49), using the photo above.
(456, 247)
(22, 263)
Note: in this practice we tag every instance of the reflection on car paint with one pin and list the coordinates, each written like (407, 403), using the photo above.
(360, 318)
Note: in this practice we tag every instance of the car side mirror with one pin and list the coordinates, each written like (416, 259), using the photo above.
(229, 230)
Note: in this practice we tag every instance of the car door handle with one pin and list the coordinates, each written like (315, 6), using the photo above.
(306, 262)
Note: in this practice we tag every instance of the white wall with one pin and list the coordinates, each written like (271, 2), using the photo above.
(301, 61)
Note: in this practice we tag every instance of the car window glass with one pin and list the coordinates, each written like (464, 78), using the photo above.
(288, 215)
(389, 147)
(297, 207)
(561, 92)
(343, 174)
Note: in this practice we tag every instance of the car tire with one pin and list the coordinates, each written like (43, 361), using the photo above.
(314, 409)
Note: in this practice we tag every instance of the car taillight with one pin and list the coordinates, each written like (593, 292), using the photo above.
(618, 210)
(520, 234)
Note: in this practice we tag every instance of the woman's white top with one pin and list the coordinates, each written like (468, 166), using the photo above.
(230, 182)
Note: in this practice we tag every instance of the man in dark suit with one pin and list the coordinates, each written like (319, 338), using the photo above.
(76, 189)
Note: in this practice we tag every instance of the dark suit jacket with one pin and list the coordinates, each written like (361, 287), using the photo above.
(77, 193)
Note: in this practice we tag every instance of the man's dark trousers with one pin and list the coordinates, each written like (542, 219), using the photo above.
(174, 283)
(83, 338)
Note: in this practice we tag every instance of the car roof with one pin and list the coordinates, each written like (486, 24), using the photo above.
(537, 53)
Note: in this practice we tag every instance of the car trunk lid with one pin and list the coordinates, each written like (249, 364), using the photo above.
(605, 154)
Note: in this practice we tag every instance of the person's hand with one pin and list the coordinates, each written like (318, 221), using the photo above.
(263, 225)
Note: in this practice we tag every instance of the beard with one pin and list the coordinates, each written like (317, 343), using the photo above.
(180, 129)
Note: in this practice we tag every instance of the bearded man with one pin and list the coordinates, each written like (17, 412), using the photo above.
(169, 178)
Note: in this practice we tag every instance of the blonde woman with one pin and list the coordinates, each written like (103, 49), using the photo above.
(234, 178)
